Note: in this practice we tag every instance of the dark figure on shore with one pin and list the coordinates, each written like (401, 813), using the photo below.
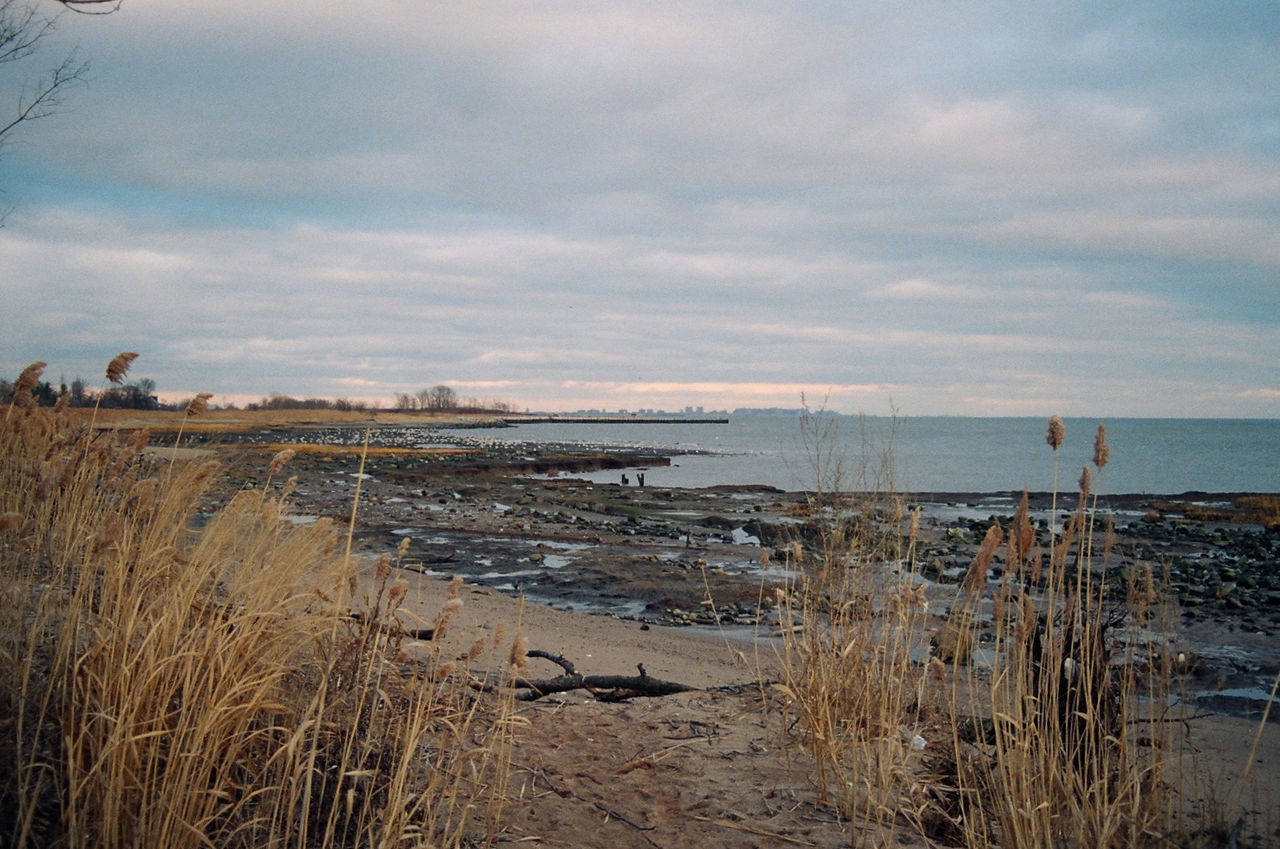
(625, 481)
(640, 478)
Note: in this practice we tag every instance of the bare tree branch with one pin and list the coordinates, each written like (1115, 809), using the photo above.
(20, 30)
(44, 99)
(92, 7)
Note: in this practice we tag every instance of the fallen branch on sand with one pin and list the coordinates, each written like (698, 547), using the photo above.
(606, 688)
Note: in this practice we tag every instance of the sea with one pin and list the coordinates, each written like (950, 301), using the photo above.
(796, 451)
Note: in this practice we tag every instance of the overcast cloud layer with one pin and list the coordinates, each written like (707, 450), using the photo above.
(984, 208)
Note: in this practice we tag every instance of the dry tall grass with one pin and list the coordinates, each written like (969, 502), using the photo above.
(175, 680)
(1074, 749)
(1046, 726)
(855, 630)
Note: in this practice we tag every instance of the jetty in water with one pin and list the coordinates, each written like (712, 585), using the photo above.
(614, 419)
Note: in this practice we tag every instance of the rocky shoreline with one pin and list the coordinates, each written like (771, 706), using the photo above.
(514, 518)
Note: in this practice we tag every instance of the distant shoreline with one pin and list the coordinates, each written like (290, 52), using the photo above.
(616, 419)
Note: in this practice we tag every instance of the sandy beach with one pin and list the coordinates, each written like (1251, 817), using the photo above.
(716, 766)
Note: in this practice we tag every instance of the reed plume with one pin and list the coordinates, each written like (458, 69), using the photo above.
(519, 654)
(119, 366)
(976, 577)
(450, 609)
(1057, 432)
(1101, 451)
(1022, 536)
(278, 461)
(195, 407)
(199, 404)
(27, 381)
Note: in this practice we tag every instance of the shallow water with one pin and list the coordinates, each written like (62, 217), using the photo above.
(934, 454)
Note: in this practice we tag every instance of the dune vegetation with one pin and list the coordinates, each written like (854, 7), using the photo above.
(178, 679)
(1043, 713)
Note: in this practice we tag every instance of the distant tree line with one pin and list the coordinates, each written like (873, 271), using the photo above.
(441, 397)
(276, 401)
(139, 395)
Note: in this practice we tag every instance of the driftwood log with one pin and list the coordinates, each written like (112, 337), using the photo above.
(606, 688)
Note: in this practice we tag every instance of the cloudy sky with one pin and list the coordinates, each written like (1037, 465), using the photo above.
(977, 208)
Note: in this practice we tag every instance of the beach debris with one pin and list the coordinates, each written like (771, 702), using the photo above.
(605, 688)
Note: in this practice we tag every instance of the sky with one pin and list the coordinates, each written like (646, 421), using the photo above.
(928, 208)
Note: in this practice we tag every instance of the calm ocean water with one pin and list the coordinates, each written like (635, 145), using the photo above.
(936, 454)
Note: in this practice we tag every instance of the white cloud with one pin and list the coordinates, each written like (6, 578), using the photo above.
(984, 208)
(916, 289)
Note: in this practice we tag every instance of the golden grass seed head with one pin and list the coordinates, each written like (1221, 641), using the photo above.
(1022, 535)
(278, 461)
(1026, 618)
(402, 549)
(1057, 432)
(382, 568)
(938, 669)
(27, 381)
(976, 577)
(450, 609)
(119, 366)
(1101, 451)
(207, 470)
(477, 649)
(1086, 482)
(519, 654)
(199, 404)
(399, 588)
(138, 440)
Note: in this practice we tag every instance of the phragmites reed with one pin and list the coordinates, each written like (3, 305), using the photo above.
(195, 407)
(445, 616)
(26, 382)
(1057, 432)
(382, 568)
(1101, 451)
(1086, 482)
(199, 404)
(519, 655)
(1022, 536)
(119, 366)
(976, 577)
(278, 461)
